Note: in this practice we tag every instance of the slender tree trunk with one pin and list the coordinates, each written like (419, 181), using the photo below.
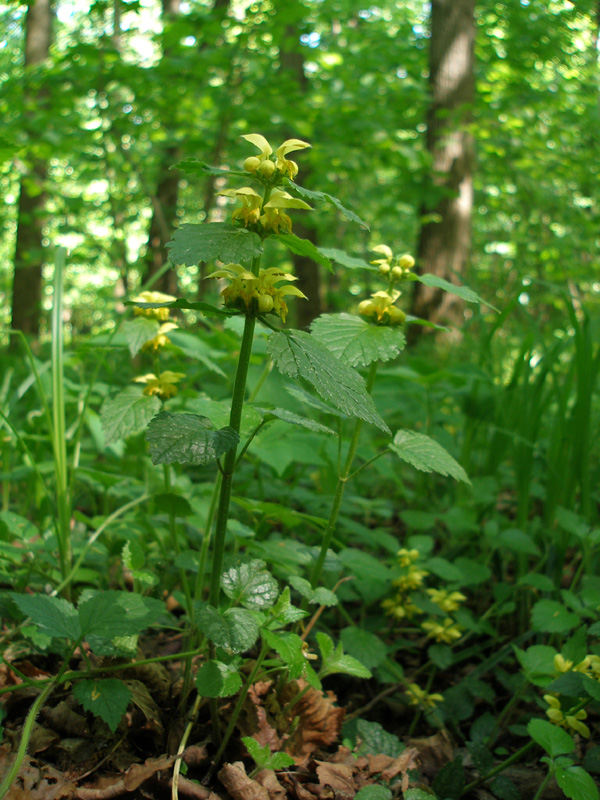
(29, 250)
(445, 236)
(309, 276)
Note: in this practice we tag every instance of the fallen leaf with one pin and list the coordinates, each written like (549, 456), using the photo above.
(319, 720)
(409, 759)
(339, 777)
(239, 785)
(268, 779)
(434, 751)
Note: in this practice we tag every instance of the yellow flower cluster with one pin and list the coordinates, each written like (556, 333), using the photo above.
(163, 385)
(270, 215)
(402, 606)
(419, 697)
(161, 314)
(563, 719)
(258, 291)
(263, 163)
(381, 306)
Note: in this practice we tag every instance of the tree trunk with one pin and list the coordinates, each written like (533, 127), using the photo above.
(445, 237)
(29, 250)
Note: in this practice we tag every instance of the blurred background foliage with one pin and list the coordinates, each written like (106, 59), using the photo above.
(128, 89)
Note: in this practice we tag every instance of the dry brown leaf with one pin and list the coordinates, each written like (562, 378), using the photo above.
(239, 785)
(41, 739)
(35, 782)
(268, 779)
(263, 731)
(63, 719)
(320, 721)
(379, 763)
(339, 777)
(131, 780)
(434, 752)
(409, 759)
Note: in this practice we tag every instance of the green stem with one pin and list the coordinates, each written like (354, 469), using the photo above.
(499, 768)
(59, 442)
(543, 785)
(343, 477)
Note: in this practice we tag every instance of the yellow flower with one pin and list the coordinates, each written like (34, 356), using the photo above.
(285, 166)
(163, 385)
(161, 314)
(419, 697)
(273, 217)
(594, 664)
(446, 631)
(561, 664)
(573, 721)
(249, 211)
(397, 268)
(382, 306)
(446, 601)
(400, 607)
(407, 557)
(412, 580)
(161, 339)
(247, 287)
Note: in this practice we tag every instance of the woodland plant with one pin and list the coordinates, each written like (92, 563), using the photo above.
(245, 610)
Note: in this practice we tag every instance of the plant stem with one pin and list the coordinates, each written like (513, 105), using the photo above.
(499, 768)
(343, 478)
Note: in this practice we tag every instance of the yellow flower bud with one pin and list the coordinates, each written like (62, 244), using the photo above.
(251, 164)
(366, 308)
(397, 273)
(406, 262)
(265, 302)
(267, 168)
(384, 268)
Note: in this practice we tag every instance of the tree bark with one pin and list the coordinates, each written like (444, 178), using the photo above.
(445, 237)
(29, 249)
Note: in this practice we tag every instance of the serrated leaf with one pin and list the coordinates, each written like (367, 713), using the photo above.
(304, 247)
(518, 541)
(17, 526)
(504, 789)
(192, 166)
(450, 780)
(250, 584)
(187, 439)
(426, 455)
(133, 555)
(127, 414)
(283, 612)
(320, 595)
(290, 647)
(294, 419)
(537, 663)
(441, 655)
(264, 758)
(216, 679)
(576, 783)
(106, 698)
(300, 355)
(356, 341)
(235, 630)
(335, 661)
(107, 615)
(53, 615)
(138, 331)
(554, 740)
(373, 739)
(192, 244)
(550, 616)
(331, 200)
(439, 283)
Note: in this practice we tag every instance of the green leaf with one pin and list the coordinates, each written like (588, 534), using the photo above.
(300, 355)
(283, 612)
(537, 663)
(554, 740)
(576, 783)
(483, 761)
(250, 584)
(364, 645)
(235, 630)
(290, 647)
(138, 331)
(504, 789)
(53, 615)
(443, 569)
(107, 615)
(127, 413)
(304, 247)
(330, 199)
(320, 595)
(426, 455)
(356, 341)
(550, 616)
(294, 419)
(518, 541)
(205, 308)
(187, 439)
(345, 260)
(335, 661)
(418, 794)
(373, 739)
(192, 244)
(450, 780)
(439, 283)
(441, 655)
(216, 679)
(374, 791)
(192, 166)
(17, 526)
(107, 698)
(133, 555)
(264, 758)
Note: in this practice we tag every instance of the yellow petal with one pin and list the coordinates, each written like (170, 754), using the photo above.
(383, 249)
(259, 141)
(171, 377)
(154, 297)
(281, 199)
(291, 290)
(289, 146)
(145, 378)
